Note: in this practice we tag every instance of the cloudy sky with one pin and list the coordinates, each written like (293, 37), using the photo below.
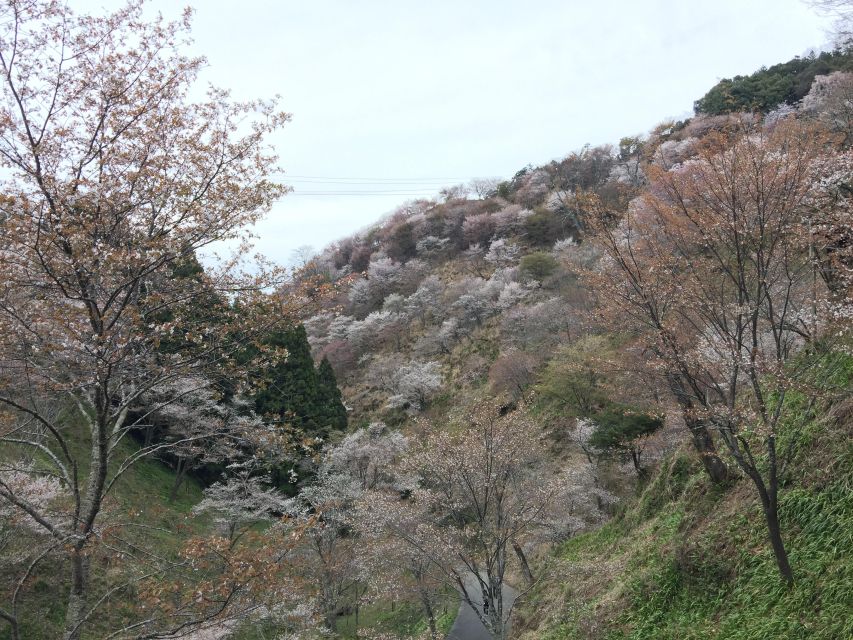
(392, 99)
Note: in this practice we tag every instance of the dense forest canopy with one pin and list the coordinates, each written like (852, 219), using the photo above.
(769, 87)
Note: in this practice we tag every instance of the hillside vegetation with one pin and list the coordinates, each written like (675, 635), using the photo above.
(619, 382)
(781, 84)
(498, 299)
(685, 560)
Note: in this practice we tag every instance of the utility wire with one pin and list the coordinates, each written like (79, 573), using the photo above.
(380, 180)
(364, 190)
(411, 187)
(358, 184)
(360, 193)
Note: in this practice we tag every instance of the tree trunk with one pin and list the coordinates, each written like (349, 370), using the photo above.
(76, 611)
(76, 597)
(13, 624)
(522, 559)
(769, 494)
(703, 442)
(430, 615)
(770, 505)
(330, 618)
(771, 514)
(635, 458)
(180, 472)
(328, 605)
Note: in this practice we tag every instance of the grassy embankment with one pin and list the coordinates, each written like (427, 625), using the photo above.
(684, 560)
(140, 497)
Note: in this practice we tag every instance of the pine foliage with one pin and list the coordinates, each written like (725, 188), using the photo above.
(294, 391)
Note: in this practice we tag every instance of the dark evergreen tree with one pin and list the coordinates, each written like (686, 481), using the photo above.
(621, 432)
(288, 387)
(543, 228)
(331, 406)
(294, 391)
(400, 245)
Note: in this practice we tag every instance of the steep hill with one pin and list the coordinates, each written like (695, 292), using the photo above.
(553, 340)
(445, 306)
(682, 559)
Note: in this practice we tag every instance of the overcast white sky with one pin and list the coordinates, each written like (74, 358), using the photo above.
(443, 91)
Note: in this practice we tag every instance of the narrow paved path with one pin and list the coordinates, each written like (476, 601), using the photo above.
(467, 625)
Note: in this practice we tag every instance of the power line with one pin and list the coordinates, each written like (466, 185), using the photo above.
(381, 180)
(368, 191)
(361, 193)
(357, 184)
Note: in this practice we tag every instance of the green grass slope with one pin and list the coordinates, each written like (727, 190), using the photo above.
(140, 497)
(686, 561)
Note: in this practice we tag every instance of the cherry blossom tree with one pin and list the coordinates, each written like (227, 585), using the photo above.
(362, 461)
(197, 426)
(475, 306)
(325, 557)
(509, 220)
(413, 385)
(23, 540)
(829, 221)
(232, 583)
(482, 492)
(533, 189)
(393, 569)
(431, 245)
(375, 329)
(341, 356)
(455, 192)
(512, 373)
(502, 253)
(484, 187)
(439, 339)
(716, 262)
(368, 455)
(426, 302)
(241, 501)
(112, 178)
(475, 260)
(540, 325)
(478, 229)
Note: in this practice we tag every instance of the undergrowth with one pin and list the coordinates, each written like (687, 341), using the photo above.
(684, 560)
(139, 497)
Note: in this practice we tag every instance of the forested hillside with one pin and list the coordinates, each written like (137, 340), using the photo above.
(604, 297)
(766, 89)
(609, 397)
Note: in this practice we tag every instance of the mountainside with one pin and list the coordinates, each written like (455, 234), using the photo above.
(607, 398)
(682, 559)
(490, 297)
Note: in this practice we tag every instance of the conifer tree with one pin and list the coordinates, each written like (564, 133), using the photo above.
(295, 392)
(331, 406)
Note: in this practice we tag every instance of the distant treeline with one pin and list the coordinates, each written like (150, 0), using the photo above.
(769, 87)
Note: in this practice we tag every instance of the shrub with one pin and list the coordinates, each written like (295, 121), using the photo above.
(540, 228)
(538, 265)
